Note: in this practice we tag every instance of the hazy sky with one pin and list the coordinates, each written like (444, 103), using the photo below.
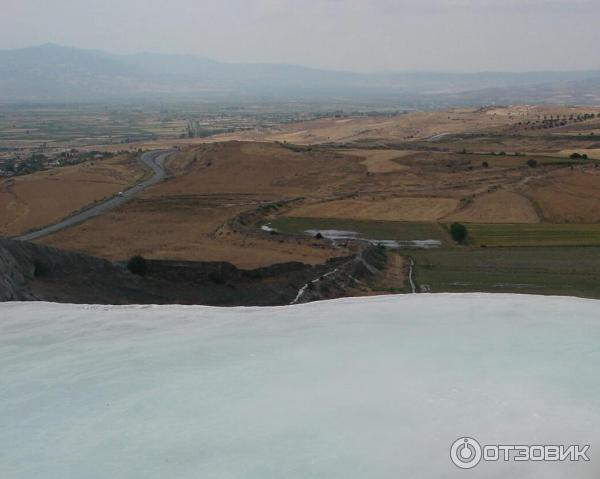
(361, 35)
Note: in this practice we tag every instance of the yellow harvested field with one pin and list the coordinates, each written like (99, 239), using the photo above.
(42, 198)
(380, 161)
(393, 209)
(568, 196)
(178, 229)
(498, 207)
(592, 153)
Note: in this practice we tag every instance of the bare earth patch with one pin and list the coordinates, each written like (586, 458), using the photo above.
(414, 125)
(380, 161)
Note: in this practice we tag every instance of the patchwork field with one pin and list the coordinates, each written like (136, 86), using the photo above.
(573, 271)
(506, 173)
(535, 234)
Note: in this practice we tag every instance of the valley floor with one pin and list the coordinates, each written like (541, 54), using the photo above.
(254, 200)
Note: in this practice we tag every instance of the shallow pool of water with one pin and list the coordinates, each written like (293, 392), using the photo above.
(340, 235)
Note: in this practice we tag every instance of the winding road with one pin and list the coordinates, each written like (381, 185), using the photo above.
(437, 137)
(152, 159)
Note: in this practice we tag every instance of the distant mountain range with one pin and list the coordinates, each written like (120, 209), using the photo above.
(53, 73)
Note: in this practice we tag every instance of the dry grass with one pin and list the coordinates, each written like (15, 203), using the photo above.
(183, 218)
(497, 207)
(416, 125)
(393, 209)
(380, 161)
(592, 153)
(179, 231)
(45, 197)
(410, 126)
(568, 196)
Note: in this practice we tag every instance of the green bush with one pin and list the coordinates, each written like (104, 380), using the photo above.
(458, 232)
(532, 163)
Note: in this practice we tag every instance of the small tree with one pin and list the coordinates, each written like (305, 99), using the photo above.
(485, 164)
(531, 163)
(137, 265)
(458, 232)
(576, 156)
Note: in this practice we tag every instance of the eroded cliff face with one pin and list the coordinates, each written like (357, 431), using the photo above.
(14, 273)
(29, 271)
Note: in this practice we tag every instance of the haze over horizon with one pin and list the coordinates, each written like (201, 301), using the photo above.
(348, 35)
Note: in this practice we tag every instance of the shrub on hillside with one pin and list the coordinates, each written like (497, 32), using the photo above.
(532, 163)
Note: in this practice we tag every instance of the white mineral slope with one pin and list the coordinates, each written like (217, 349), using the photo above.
(355, 388)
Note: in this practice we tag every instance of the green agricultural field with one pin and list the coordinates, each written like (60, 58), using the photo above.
(539, 234)
(370, 229)
(573, 271)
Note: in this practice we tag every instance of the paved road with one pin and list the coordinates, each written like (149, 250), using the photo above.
(152, 159)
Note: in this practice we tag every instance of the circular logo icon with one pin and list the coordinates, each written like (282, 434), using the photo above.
(465, 453)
